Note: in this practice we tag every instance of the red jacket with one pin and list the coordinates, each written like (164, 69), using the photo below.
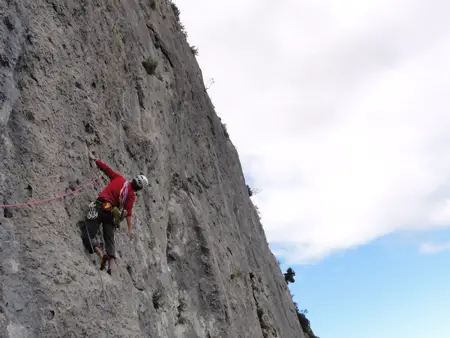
(112, 191)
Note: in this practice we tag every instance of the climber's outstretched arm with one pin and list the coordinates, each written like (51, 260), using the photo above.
(103, 167)
(107, 170)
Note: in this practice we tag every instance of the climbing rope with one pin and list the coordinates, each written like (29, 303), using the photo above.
(61, 196)
(51, 198)
(105, 304)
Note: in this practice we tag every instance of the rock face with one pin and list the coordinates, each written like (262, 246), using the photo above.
(118, 78)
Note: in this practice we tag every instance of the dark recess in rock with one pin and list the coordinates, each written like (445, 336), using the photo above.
(89, 127)
(50, 314)
(29, 191)
(157, 299)
(130, 270)
(7, 213)
(8, 22)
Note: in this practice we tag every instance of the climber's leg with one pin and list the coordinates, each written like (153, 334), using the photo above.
(108, 236)
(89, 231)
(99, 252)
(110, 264)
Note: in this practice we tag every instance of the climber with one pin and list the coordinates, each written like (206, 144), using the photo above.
(118, 195)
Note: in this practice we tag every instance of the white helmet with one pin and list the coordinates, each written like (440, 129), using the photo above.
(141, 182)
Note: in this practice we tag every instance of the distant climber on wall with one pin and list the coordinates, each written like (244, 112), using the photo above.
(113, 204)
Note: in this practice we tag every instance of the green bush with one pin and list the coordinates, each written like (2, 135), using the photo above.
(175, 10)
(176, 13)
(289, 276)
(250, 191)
(150, 65)
(225, 131)
(194, 50)
(304, 322)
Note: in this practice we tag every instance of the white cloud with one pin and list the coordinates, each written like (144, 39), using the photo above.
(430, 248)
(340, 111)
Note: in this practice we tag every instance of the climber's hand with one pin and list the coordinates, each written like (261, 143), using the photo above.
(130, 235)
(92, 156)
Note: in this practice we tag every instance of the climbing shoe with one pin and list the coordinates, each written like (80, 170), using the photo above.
(103, 261)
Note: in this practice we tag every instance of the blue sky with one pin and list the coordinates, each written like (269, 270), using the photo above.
(384, 289)
(339, 110)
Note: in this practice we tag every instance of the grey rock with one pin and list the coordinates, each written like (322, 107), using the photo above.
(72, 81)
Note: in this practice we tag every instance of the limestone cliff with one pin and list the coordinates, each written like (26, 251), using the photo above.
(118, 78)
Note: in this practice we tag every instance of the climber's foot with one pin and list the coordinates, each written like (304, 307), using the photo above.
(103, 261)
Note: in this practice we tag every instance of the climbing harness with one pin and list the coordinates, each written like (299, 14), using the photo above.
(19, 205)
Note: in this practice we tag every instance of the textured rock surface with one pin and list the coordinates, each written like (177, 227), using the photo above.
(72, 80)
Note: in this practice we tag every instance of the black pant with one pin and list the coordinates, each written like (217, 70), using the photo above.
(93, 226)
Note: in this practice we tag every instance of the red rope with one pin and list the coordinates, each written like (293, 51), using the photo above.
(51, 198)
